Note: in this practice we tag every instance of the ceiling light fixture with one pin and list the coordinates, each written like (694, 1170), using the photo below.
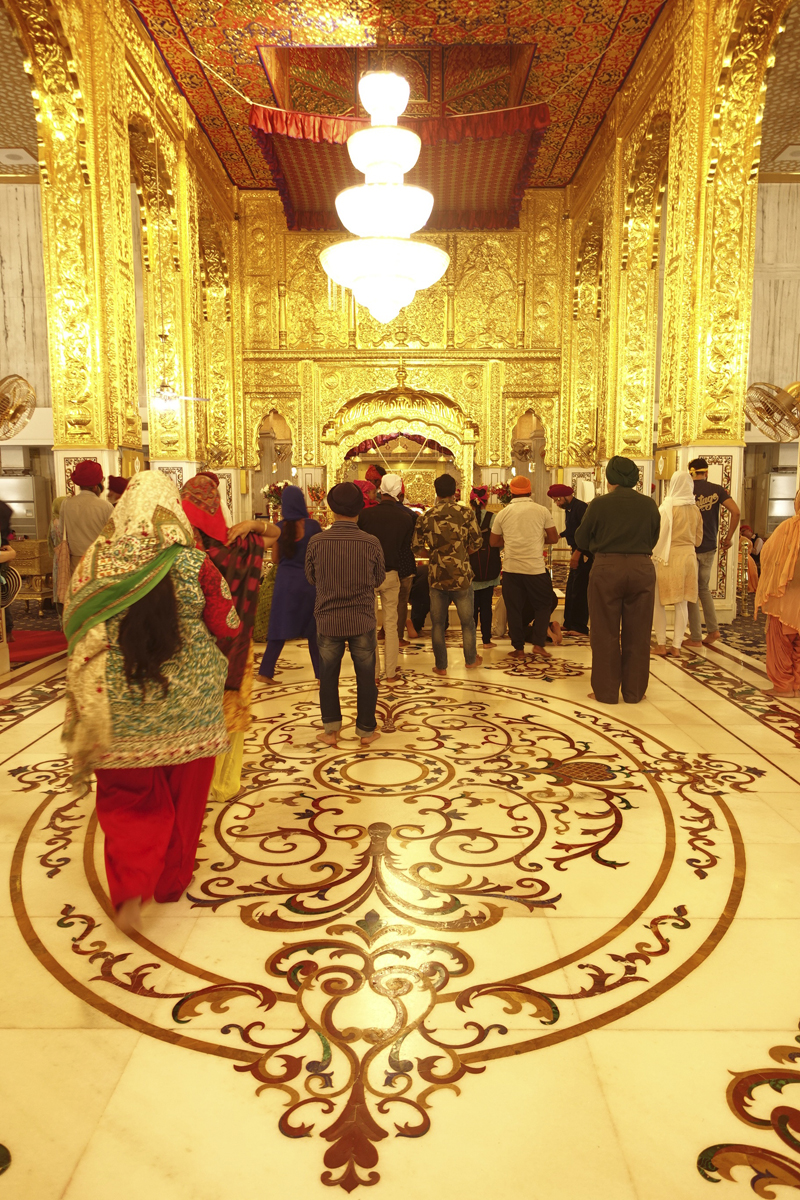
(382, 266)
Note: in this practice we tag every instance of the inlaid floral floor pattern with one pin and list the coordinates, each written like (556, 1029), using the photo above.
(502, 871)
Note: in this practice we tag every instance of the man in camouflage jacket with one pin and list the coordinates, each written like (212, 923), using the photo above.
(448, 533)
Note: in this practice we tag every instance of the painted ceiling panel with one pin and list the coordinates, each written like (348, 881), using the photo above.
(460, 56)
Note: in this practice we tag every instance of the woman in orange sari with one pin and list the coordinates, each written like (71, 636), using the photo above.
(778, 594)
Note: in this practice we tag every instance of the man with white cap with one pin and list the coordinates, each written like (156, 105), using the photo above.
(393, 525)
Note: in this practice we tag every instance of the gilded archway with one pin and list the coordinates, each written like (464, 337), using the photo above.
(430, 414)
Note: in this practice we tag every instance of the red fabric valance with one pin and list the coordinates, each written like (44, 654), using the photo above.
(432, 131)
(477, 165)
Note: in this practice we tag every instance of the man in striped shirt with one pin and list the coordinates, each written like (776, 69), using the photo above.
(346, 566)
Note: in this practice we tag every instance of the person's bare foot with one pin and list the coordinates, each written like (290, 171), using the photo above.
(411, 631)
(773, 691)
(440, 670)
(540, 652)
(394, 679)
(710, 638)
(661, 651)
(592, 696)
(555, 633)
(128, 915)
(403, 642)
(488, 645)
(520, 654)
(471, 666)
(369, 739)
(265, 681)
(674, 652)
(329, 739)
(687, 645)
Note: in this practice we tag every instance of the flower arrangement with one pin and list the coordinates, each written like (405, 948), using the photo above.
(316, 493)
(503, 493)
(272, 493)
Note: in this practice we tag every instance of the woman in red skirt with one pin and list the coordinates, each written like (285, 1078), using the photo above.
(145, 683)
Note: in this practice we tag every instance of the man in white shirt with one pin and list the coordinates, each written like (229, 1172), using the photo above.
(523, 528)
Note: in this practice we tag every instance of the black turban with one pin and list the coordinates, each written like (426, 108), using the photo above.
(346, 500)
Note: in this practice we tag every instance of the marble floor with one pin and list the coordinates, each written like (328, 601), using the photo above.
(526, 945)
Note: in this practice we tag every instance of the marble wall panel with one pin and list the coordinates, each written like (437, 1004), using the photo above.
(23, 310)
(774, 340)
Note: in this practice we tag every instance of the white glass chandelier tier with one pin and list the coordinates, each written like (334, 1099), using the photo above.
(382, 266)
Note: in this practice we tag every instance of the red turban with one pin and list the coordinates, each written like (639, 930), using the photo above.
(367, 488)
(375, 474)
(87, 474)
(117, 484)
(557, 490)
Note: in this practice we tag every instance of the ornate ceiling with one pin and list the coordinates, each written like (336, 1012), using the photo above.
(460, 55)
(17, 120)
(781, 126)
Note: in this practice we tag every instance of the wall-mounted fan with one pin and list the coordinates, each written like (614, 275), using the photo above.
(774, 410)
(17, 403)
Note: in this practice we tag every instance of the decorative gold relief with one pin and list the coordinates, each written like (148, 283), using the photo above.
(733, 163)
(585, 349)
(311, 324)
(79, 412)
(638, 298)
(486, 292)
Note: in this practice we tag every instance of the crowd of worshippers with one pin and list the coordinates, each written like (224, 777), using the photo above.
(162, 596)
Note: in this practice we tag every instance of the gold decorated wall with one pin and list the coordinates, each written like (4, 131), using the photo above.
(488, 337)
(559, 317)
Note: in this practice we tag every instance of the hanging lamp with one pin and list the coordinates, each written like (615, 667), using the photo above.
(382, 266)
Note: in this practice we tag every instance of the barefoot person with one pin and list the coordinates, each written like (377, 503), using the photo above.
(576, 600)
(778, 594)
(710, 498)
(620, 529)
(345, 565)
(523, 529)
(393, 525)
(486, 565)
(448, 533)
(145, 682)
(292, 611)
(676, 561)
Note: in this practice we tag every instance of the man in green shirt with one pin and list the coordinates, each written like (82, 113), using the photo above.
(620, 529)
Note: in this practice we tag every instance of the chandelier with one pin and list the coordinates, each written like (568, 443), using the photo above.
(382, 266)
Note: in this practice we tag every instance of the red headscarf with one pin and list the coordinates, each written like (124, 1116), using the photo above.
(202, 506)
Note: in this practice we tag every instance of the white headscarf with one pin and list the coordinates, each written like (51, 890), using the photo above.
(681, 491)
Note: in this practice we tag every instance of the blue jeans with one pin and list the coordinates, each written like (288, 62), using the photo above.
(464, 600)
(363, 651)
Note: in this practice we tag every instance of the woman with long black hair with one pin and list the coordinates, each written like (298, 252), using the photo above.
(292, 612)
(144, 689)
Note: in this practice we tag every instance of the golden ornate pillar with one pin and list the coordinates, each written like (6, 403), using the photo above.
(62, 97)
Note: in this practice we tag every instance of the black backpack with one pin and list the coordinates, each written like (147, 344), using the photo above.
(486, 562)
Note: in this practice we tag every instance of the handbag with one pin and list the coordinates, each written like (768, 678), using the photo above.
(10, 584)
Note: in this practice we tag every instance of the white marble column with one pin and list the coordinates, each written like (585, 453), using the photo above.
(67, 460)
(23, 307)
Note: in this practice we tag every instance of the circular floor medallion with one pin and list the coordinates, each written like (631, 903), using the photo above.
(504, 866)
